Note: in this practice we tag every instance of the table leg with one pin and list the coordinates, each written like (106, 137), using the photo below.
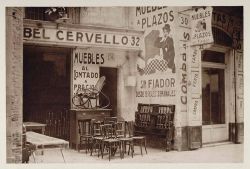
(33, 156)
(62, 155)
(43, 130)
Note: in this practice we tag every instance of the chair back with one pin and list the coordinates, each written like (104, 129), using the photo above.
(84, 127)
(108, 131)
(120, 129)
(129, 129)
(96, 128)
(110, 120)
(100, 83)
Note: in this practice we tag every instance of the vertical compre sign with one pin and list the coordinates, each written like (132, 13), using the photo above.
(184, 48)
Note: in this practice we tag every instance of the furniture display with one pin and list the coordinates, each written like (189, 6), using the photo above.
(34, 126)
(82, 114)
(43, 142)
(156, 120)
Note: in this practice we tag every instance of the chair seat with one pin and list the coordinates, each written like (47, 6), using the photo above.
(126, 139)
(111, 140)
(86, 136)
(138, 137)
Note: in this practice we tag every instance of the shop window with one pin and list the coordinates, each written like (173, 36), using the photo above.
(213, 88)
(213, 97)
(38, 13)
(212, 56)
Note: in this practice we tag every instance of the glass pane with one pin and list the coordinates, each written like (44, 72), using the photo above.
(213, 99)
(212, 56)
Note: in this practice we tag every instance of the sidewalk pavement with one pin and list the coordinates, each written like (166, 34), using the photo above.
(222, 153)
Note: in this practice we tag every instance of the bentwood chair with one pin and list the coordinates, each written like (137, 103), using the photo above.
(126, 139)
(140, 139)
(97, 133)
(110, 142)
(84, 128)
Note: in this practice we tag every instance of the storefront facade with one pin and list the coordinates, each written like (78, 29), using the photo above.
(70, 54)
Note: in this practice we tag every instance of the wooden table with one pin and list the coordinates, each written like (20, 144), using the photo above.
(34, 126)
(43, 142)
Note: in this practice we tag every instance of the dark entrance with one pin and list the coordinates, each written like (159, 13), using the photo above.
(46, 88)
(110, 87)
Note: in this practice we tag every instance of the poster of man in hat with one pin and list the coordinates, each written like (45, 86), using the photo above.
(166, 44)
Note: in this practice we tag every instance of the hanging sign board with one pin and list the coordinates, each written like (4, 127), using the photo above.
(201, 26)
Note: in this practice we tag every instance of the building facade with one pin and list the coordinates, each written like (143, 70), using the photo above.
(149, 55)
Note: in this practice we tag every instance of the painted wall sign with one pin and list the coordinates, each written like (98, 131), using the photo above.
(153, 16)
(195, 57)
(85, 70)
(157, 63)
(156, 88)
(201, 21)
(81, 37)
(184, 40)
(195, 104)
(229, 24)
(195, 80)
(239, 58)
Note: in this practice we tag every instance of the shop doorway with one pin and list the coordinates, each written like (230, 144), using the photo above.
(214, 115)
(110, 88)
(46, 88)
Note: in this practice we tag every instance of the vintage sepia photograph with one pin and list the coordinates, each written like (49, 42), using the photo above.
(124, 84)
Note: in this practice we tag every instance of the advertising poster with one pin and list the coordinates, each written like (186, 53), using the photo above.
(201, 21)
(156, 65)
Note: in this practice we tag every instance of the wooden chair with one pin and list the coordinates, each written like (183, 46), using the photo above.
(110, 142)
(97, 133)
(127, 140)
(140, 139)
(85, 134)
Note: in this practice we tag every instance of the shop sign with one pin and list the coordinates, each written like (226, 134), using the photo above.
(80, 37)
(201, 26)
(85, 69)
(230, 25)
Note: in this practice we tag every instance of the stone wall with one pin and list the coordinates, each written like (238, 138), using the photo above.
(14, 83)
